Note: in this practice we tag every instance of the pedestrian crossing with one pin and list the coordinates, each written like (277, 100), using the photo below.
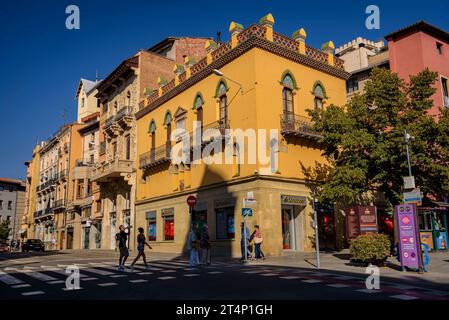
(38, 280)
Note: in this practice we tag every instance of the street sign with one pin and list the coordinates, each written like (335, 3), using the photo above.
(250, 202)
(191, 201)
(247, 212)
(414, 196)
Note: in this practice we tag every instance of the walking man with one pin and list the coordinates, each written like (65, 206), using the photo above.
(141, 243)
(124, 253)
(205, 245)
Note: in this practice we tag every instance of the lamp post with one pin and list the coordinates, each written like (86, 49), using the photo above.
(407, 139)
(317, 239)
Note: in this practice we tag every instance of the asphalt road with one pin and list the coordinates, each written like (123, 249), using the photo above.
(41, 277)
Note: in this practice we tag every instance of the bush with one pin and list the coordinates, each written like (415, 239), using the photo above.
(371, 248)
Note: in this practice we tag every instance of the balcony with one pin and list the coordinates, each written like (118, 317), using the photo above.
(298, 126)
(59, 205)
(84, 163)
(124, 117)
(155, 157)
(111, 127)
(112, 169)
(63, 174)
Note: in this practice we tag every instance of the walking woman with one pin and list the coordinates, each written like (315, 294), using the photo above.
(258, 242)
(141, 242)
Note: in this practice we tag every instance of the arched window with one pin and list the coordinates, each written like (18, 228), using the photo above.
(288, 84)
(319, 96)
(198, 106)
(152, 131)
(167, 122)
(223, 101)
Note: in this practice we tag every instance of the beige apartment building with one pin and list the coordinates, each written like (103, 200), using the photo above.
(32, 182)
(119, 94)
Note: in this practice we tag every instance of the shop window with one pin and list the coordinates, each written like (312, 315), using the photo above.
(168, 217)
(151, 225)
(225, 228)
(425, 221)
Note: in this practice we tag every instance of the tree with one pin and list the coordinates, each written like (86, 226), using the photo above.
(364, 141)
(4, 231)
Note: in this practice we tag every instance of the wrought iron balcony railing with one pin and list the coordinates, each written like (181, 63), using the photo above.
(299, 126)
(155, 156)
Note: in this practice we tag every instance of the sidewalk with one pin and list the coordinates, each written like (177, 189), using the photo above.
(338, 262)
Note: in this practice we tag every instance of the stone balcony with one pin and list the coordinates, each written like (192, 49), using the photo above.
(155, 157)
(114, 168)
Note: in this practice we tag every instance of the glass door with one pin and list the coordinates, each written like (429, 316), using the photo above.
(288, 229)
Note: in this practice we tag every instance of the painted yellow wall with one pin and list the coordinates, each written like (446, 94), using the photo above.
(260, 106)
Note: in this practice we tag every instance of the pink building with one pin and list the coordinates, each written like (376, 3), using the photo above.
(416, 47)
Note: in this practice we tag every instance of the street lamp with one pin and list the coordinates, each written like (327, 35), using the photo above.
(220, 74)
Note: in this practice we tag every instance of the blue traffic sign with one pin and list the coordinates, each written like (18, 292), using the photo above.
(247, 212)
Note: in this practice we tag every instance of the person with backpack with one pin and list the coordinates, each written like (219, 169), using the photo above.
(124, 253)
(141, 242)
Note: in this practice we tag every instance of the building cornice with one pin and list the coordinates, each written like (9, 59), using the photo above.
(232, 54)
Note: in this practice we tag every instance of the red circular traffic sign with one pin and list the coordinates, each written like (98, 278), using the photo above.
(191, 201)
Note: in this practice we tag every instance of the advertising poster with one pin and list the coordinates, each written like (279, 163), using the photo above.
(368, 220)
(427, 238)
(352, 223)
(409, 246)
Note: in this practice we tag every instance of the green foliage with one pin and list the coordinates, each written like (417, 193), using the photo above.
(364, 141)
(4, 231)
(371, 248)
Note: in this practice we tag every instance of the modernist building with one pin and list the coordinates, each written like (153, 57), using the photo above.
(409, 51)
(12, 205)
(119, 94)
(232, 88)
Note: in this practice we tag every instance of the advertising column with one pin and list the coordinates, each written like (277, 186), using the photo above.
(409, 244)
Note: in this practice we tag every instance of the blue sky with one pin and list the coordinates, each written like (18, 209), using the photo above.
(41, 61)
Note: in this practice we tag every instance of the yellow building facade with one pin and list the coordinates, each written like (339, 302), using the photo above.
(260, 80)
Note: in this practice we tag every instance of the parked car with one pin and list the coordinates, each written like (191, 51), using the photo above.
(33, 245)
(4, 247)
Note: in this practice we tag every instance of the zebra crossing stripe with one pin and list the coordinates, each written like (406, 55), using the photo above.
(100, 272)
(38, 275)
(20, 286)
(166, 278)
(9, 279)
(138, 281)
(404, 297)
(32, 293)
(108, 284)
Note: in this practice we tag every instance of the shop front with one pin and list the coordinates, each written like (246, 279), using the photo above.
(292, 222)
(432, 219)
(326, 226)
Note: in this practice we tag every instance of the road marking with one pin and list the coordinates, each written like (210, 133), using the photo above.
(32, 293)
(9, 279)
(404, 297)
(89, 279)
(191, 275)
(100, 272)
(108, 284)
(20, 286)
(214, 272)
(338, 285)
(72, 289)
(368, 291)
(50, 268)
(38, 275)
(168, 271)
(269, 274)
(311, 281)
(166, 278)
(56, 282)
(290, 277)
(119, 276)
(251, 272)
(138, 281)
(144, 273)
